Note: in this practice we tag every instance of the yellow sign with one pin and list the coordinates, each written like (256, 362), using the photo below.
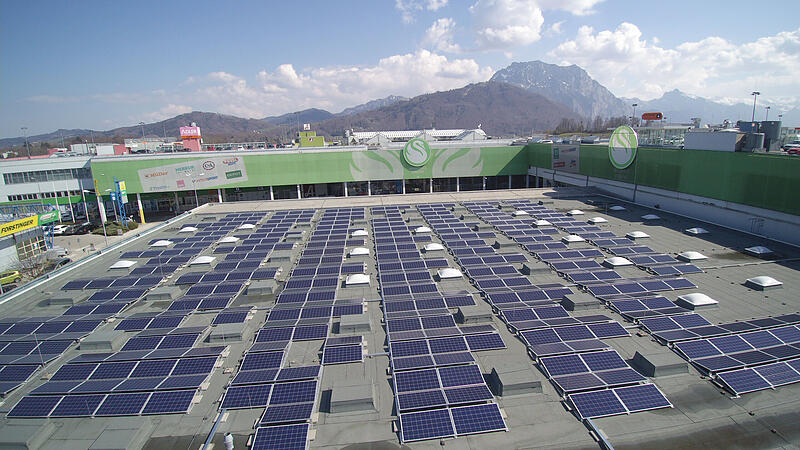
(19, 225)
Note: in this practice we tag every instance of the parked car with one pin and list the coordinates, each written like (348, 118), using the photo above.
(58, 230)
(83, 228)
(54, 264)
(794, 145)
(9, 277)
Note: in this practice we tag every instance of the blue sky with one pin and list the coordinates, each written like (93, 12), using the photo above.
(100, 64)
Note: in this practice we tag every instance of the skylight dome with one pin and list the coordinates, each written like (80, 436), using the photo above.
(691, 256)
(617, 261)
(763, 283)
(356, 279)
(359, 251)
(449, 272)
(122, 264)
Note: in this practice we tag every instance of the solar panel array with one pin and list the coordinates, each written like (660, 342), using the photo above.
(439, 388)
(431, 356)
(569, 349)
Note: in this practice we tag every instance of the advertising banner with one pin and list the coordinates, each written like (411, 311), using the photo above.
(29, 222)
(566, 157)
(190, 132)
(198, 174)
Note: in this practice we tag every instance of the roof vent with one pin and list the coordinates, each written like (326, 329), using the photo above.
(520, 212)
(696, 301)
(246, 226)
(637, 235)
(572, 238)
(617, 261)
(696, 230)
(122, 264)
(359, 233)
(596, 220)
(575, 212)
(356, 279)
(617, 208)
(691, 256)
(422, 230)
(763, 283)
(650, 217)
(359, 251)
(187, 230)
(228, 240)
(449, 272)
(542, 223)
(434, 247)
(161, 243)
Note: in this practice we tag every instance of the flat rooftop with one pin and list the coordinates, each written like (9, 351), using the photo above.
(334, 403)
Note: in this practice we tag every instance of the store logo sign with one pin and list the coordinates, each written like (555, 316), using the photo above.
(417, 152)
(622, 147)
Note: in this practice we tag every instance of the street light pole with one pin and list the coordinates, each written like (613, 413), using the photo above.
(25, 133)
(766, 119)
(755, 95)
(633, 119)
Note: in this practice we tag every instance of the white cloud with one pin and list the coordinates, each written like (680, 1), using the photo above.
(505, 24)
(440, 36)
(287, 89)
(166, 112)
(408, 8)
(52, 99)
(555, 28)
(713, 67)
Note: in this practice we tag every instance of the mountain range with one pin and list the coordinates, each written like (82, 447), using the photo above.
(520, 99)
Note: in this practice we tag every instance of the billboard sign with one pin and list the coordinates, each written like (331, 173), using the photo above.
(190, 132)
(622, 147)
(566, 157)
(29, 222)
(417, 152)
(652, 116)
(202, 173)
(122, 191)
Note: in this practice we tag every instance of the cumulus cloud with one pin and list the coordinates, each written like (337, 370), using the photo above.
(286, 88)
(505, 24)
(408, 8)
(166, 112)
(629, 65)
(440, 36)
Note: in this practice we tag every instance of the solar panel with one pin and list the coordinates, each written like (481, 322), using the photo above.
(287, 413)
(34, 406)
(122, 404)
(460, 375)
(289, 437)
(477, 419)
(342, 354)
(642, 398)
(420, 399)
(169, 402)
(416, 426)
(77, 405)
(490, 341)
(246, 396)
(293, 392)
(597, 404)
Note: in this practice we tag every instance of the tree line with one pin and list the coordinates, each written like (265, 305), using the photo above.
(598, 125)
